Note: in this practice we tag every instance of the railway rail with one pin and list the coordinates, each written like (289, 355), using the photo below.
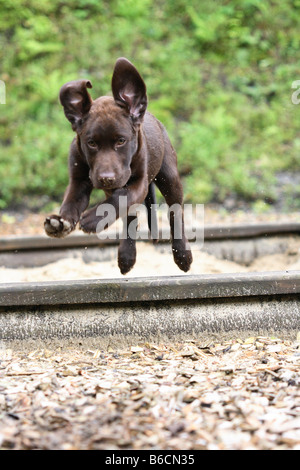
(116, 311)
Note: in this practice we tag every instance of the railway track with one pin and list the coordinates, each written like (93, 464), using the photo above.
(116, 311)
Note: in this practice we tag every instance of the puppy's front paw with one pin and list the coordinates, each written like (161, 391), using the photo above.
(89, 221)
(57, 227)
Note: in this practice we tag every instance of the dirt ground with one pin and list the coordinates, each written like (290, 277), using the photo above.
(237, 394)
(151, 261)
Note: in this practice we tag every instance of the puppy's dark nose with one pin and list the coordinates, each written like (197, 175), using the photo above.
(106, 179)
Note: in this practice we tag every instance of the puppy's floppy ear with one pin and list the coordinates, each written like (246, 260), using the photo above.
(129, 89)
(76, 101)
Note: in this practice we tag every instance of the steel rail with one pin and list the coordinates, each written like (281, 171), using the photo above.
(210, 232)
(148, 289)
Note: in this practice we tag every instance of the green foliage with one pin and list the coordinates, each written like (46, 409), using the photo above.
(219, 76)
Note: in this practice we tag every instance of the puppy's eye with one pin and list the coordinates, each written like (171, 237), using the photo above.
(120, 141)
(92, 143)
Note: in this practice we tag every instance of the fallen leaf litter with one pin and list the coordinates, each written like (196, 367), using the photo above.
(239, 394)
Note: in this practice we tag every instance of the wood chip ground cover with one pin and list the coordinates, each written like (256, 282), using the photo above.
(239, 394)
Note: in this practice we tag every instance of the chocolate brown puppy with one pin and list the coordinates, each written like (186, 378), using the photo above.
(123, 150)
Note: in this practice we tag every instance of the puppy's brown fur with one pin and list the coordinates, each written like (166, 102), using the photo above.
(122, 149)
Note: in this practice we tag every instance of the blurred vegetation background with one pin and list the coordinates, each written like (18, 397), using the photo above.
(219, 76)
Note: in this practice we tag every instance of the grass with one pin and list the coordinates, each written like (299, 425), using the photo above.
(219, 76)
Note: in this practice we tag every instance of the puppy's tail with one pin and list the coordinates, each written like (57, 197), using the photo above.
(150, 203)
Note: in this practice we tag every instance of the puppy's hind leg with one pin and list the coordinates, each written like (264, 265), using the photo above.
(150, 203)
(127, 248)
(169, 184)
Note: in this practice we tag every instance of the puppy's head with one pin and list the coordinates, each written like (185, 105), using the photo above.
(108, 127)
